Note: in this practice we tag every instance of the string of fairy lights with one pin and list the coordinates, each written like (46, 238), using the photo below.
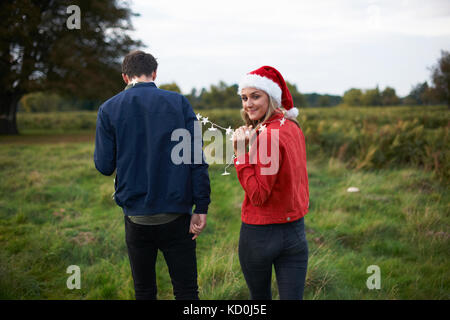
(230, 132)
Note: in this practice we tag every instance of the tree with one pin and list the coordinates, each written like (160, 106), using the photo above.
(38, 51)
(221, 96)
(41, 102)
(297, 97)
(323, 101)
(432, 96)
(318, 100)
(389, 97)
(418, 94)
(52, 102)
(352, 97)
(371, 97)
(441, 77)
(170, 87)
(193, 99)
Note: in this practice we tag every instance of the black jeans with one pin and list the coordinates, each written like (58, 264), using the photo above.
(174, 240)
(282, 245)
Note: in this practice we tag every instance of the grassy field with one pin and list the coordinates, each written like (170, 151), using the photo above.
(56, 210)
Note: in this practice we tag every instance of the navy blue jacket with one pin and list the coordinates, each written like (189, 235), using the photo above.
(133, 135)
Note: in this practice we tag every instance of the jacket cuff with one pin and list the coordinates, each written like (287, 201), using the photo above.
(201, 209)
(242, 160)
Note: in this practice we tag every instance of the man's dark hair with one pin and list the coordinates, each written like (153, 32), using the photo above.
(138, 63)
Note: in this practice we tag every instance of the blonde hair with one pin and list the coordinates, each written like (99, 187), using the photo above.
(273, 107)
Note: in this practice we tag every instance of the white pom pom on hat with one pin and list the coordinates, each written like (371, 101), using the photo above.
(292, 113)
(272, 82)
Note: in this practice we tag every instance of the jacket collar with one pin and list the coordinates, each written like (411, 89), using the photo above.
(276, 115)
(141, 84)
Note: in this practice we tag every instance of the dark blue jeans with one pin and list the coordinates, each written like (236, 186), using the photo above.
(178, 248)
(282, 245)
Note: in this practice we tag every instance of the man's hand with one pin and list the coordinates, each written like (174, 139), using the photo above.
(198, 223)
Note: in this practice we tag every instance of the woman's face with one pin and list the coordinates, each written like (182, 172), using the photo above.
(255, 103)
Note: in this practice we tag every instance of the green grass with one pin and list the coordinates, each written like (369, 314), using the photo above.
(56, 210)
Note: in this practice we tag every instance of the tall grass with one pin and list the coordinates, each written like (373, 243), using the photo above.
(56, 210)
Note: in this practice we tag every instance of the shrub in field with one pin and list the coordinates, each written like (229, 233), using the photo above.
(367, 145)
(79, 120)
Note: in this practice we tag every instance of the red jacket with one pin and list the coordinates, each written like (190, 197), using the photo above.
(281, 194)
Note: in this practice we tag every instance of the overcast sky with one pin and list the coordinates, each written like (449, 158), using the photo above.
(323, 46)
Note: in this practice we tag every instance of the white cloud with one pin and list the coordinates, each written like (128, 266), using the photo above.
(323, 46)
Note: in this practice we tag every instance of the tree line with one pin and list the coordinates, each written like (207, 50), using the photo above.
(223, 96)
(44, 64)
(216, 96)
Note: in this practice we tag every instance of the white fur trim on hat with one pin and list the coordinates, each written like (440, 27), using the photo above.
(261, 83)
(292, 113)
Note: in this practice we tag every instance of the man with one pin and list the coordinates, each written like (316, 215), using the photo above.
(133, 137)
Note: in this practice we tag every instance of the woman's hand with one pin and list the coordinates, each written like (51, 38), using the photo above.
(241, 138)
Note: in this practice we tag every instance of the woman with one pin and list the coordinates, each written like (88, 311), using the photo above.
(274, 176)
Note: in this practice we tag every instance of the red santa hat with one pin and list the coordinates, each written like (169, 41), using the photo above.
(270, 81)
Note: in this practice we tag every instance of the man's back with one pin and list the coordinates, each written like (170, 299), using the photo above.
(134, 137)
(134, 130)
